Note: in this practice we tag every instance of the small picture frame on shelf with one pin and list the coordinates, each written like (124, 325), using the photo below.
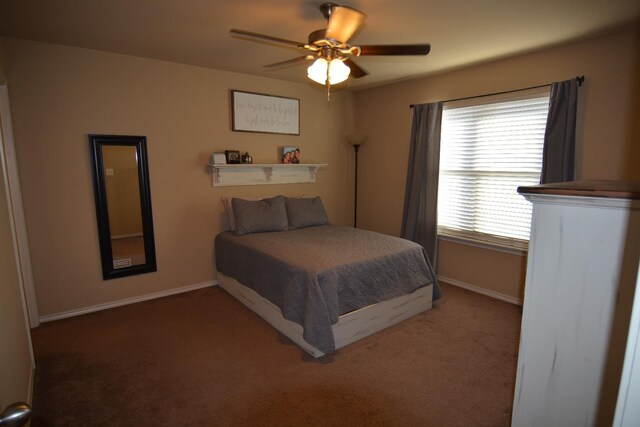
(218, 159)
(232, 156)
(290, 155)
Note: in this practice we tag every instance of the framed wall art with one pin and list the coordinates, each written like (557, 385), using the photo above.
(255, 112)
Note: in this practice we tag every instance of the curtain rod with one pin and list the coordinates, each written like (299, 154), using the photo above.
(579, 79)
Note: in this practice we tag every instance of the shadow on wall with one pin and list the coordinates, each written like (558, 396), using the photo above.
(632, 165)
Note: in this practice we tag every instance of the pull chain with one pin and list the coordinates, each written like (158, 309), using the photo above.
(328, 82)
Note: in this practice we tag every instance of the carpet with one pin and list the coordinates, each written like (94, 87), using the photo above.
(203, 359)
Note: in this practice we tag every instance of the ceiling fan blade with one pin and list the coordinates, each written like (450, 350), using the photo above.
(289, 61)
(235, 32)
(356, 70)
(397, 49)
(344, 22)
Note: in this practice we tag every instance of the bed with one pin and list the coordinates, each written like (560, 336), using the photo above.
(321, 285)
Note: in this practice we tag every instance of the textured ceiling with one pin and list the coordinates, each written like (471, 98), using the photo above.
(196, 32)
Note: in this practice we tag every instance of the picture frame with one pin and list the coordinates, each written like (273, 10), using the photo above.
(218, 159)
(232, 156)
(290, 155)
(262, 113)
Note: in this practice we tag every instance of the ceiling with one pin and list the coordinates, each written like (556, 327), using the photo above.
(196, 32)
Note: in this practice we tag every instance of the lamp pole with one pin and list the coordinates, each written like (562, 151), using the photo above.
(355, 197)
(356, 141)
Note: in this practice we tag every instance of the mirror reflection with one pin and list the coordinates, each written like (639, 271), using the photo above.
(123, 201)
(123, 205)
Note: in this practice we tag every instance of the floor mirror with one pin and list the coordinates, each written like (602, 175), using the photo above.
(123, 204)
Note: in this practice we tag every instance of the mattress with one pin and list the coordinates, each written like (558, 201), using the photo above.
(316, 274)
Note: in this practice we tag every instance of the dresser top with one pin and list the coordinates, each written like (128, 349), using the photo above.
(587, 188)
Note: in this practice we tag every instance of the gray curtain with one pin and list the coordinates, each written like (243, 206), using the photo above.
(420, 214)
(558, 156)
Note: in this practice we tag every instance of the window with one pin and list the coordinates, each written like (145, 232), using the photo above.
(489, 147)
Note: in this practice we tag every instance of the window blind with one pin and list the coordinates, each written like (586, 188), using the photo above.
(489, 147)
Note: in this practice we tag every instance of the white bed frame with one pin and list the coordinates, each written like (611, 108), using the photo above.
(351, 326)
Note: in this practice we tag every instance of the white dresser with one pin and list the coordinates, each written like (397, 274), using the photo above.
(581, 274)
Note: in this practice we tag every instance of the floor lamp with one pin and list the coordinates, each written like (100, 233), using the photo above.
(356, 141)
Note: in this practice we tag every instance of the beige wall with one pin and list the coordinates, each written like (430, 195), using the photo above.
(61, 94)
(15, 352)
(606, 135)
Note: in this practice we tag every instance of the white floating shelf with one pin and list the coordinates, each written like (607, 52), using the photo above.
(260, 174)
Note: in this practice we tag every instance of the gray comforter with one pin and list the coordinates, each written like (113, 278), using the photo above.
(316, 274)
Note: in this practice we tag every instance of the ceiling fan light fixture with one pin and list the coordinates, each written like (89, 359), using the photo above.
(330, 47)
(337, 71)
(318, 71)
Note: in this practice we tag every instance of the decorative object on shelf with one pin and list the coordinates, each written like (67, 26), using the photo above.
(246, 158)
(260, 174)
(218, 159)
(356, 141)
(256, 112)
(232, 156)
(290, 155)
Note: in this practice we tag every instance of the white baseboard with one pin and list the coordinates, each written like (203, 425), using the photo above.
(154, 295)
(99, 307)
(492, 294)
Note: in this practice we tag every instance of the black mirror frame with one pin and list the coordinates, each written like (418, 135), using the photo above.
(96, 142)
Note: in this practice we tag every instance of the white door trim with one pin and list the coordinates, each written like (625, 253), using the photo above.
(16, 214)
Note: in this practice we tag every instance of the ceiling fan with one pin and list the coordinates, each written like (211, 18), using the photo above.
(331, 49)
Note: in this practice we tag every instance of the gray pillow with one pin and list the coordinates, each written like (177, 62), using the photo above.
(305, 212)
(259, 216)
